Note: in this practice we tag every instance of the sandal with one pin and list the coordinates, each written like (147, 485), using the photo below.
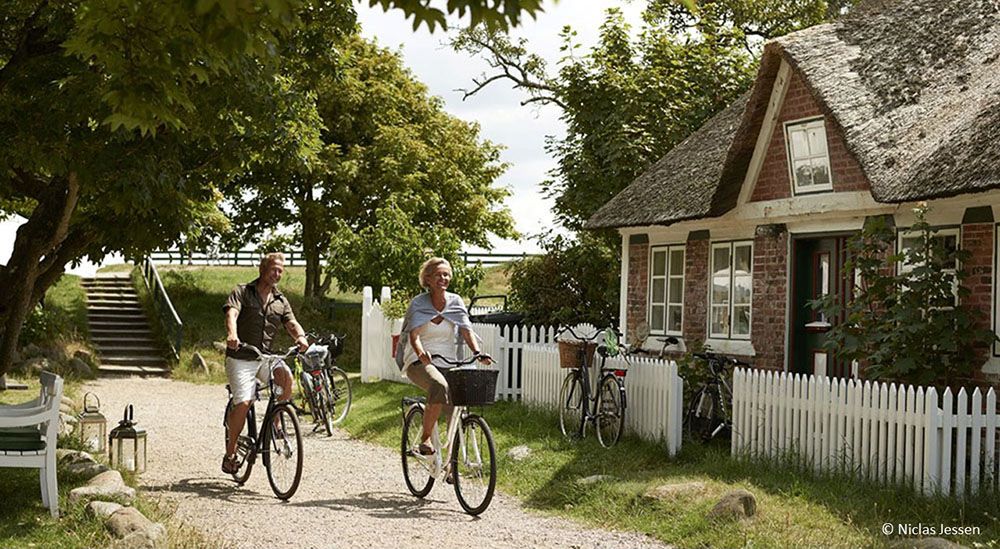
(230, 465)
(425, 450)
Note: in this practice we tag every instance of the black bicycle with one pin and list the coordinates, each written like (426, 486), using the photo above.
(325, 387)
(578, 407)
(710, 411)
(280, 446)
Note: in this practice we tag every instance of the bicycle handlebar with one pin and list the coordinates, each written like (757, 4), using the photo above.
(720, 359)
(594, 337)
(292, 351)
(465, 362)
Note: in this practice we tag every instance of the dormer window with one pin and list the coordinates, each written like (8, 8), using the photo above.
(807, 156)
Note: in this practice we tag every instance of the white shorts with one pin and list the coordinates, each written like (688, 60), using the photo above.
(243, 376)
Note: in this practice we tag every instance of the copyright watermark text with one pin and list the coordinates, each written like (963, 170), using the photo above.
(921, 529)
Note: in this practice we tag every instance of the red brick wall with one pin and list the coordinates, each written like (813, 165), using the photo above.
(770, 284)
(638, 287)
(977, 238)
(695, 290)
(774, 180)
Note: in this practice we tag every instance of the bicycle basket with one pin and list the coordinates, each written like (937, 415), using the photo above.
(472, 387)
(314, 357)
(571, 353)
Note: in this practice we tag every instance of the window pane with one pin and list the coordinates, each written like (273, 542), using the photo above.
(743, 260)
(659, 263)
(741, 320)
(676, 290)
(674, 319)
(799, 143)
(820, 172)
(720, 261)
(656, 318)
(803, 173)
(677, 262)
(742, 289)
(817, 140)
(720, 320)
(720, 276)
(659, 292)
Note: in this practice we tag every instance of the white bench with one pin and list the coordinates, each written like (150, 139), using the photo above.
(28, 434)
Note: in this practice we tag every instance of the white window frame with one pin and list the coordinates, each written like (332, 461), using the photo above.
(667, 280)
(807, 124)
(903, 268)
(731, 305)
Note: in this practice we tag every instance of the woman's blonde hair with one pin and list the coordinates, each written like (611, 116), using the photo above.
(428, 268)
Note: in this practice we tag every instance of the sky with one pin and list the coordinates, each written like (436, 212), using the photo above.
(520, 130)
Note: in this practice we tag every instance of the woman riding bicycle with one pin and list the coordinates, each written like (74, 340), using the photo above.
(429, 329)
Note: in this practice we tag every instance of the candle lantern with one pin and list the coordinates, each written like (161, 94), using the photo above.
(93, 426)
(127, 444)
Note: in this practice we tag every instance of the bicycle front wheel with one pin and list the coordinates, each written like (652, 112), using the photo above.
(474, 465)
(245, 453)
(339, 401)
(610, 411)
(416, 468)
(571, 406)
(283, 451)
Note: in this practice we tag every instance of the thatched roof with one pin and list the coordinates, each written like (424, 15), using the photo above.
(913, 86)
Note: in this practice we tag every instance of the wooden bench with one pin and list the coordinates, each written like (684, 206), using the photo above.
(28, 435)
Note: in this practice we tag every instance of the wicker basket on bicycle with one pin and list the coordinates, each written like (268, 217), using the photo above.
(571, 353)
(472, 387)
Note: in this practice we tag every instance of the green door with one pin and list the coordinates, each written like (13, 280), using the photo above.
(816, 271)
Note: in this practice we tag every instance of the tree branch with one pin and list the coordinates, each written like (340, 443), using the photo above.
(30, 45)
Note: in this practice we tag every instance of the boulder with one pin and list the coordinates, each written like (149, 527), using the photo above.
(108, 484)
(79, 367)
(594, 479)
(924, 543)
(199, 364)
(55, 353)
(66, 457)
(128, 521)
(86, 356)
(519, 453)
(103, 509)
(86, 470)
(140, 540)
(735, 504)
(31, 351)
(670, 492)
(67, 423)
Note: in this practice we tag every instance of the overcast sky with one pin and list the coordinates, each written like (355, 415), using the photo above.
(521, 130)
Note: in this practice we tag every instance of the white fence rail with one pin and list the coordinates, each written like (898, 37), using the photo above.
(880, 432)
(654, 391)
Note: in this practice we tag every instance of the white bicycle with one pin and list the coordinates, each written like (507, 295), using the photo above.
(470, 453)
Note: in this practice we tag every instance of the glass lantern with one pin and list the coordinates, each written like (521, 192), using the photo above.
(127, 444)
(93, 426)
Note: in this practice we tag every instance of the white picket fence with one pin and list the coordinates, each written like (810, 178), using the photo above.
(654, 391)
(376, 340)
(880, 432)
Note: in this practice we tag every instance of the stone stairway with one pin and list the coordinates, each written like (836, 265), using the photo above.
(119, 329)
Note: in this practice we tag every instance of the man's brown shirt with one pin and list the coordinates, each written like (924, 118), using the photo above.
(257, 324)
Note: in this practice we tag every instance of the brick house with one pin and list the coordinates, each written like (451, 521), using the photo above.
(727, 236)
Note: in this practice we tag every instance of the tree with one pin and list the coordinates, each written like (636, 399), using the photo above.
(385, 140)
(906, 324)
(120, 119)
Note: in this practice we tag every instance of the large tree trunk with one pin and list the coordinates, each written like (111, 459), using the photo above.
(313, 246)
(43, 247)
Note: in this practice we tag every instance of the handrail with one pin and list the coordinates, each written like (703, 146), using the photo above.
(168, 315)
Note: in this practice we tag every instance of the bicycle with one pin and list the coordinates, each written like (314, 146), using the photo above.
(709, 414)
(470, 464)
(642, 334)
(326, 388)
(280, 446)
(606, 410)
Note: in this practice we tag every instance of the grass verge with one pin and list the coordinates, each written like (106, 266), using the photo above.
(795, 508)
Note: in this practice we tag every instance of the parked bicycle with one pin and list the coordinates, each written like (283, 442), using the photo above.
(279, 445)
(710, 411)
(578, 405)
(642, 334)
(470, 462)
(325, 387)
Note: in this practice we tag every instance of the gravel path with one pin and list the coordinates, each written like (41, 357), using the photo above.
(352, 492)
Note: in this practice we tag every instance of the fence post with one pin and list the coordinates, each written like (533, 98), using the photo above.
(932, 443)
(366, 308)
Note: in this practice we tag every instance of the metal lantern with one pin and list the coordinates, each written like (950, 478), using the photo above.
(93, 426)
(127, 444)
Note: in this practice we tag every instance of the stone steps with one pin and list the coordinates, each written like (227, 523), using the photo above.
(120, 331)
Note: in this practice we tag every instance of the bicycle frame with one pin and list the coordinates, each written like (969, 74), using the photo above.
(438, 465)
(257, 446)
(589, 399)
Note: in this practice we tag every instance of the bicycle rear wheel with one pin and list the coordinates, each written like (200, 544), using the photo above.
(703, 415)
(474, 465)
(610, 421)
(339, 399)
(245, 453)
(283, 451)
(571, 406)
(416, 468)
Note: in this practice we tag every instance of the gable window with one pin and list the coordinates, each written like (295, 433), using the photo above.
(946, 239)
(666, 290)
(731, 291)
(808, 158)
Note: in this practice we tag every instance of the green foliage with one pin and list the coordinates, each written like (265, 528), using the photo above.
(904, 324)
(41, 326)
(574, 282)
(390, 252)
(503, 15)
(396, 307)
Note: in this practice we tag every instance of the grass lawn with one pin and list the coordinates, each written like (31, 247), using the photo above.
(794, 509)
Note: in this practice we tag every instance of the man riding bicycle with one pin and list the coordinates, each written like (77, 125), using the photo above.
(254, 313)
